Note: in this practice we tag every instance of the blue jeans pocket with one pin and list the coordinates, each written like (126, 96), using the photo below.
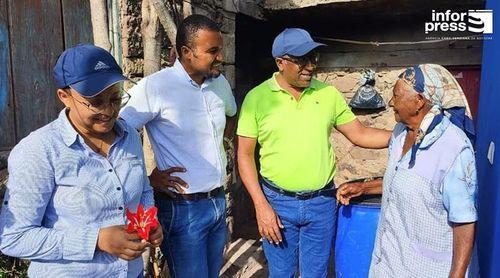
(166, 216)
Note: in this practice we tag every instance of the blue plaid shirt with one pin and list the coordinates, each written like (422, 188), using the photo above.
(420, 203)
(60, 193)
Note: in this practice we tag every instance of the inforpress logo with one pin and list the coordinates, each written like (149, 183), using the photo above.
(481, 21)
(475, 21)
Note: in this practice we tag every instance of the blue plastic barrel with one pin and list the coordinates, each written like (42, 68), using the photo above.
(356, 229)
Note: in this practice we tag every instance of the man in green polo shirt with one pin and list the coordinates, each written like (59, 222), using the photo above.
(291, 116)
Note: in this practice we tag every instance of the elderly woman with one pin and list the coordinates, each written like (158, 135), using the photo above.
(427, 221)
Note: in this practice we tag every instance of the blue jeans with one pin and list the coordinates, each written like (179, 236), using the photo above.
(194, 236)
(307, 236)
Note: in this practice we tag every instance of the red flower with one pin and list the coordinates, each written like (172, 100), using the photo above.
(142, 221)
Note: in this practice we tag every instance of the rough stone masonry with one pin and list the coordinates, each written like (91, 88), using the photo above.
(354, 162)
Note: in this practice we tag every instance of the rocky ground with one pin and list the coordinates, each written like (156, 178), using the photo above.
(244, 259)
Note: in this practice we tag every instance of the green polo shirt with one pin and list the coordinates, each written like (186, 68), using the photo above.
(295, 151)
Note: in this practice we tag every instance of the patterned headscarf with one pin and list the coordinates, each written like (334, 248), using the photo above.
(438, 85)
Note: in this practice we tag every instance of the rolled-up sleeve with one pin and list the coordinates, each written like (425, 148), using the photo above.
(459, 189)
(29, 189)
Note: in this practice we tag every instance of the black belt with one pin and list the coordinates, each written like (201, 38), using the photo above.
(328, 190)
(193, 196)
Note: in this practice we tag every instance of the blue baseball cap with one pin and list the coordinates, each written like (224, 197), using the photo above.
(295, 42)
(88, 69)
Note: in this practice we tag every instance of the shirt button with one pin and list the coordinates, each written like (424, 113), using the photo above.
(118, 188)
(120, 208)
(110, 170)
(6, 202)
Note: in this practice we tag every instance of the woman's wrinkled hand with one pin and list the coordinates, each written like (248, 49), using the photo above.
(346, 191)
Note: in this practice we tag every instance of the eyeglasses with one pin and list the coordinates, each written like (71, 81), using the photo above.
(101, 106)
(303, 61)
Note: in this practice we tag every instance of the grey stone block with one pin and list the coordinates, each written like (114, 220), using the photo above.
(228, 51)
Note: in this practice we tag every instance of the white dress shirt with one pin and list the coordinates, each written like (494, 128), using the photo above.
(185, 123)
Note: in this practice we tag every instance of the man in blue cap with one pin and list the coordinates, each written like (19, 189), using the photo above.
(291, 116)
(71, 181)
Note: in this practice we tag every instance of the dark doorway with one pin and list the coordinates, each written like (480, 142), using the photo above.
(469, 78)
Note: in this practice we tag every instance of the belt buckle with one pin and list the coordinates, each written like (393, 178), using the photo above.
(304, 195)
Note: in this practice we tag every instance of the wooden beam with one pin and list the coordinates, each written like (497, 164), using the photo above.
(7, 121)
(333, 46)
(36, 42)
(166, 20)
(77, 22)
(99, 16)
(151, 38)
(401, 58)
(152, 50)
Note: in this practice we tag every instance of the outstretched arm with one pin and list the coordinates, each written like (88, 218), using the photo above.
(366, 137)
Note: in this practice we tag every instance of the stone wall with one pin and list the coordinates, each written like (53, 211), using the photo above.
(354, 162)
(132, 54)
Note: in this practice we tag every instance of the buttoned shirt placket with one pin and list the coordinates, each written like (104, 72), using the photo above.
(122, 267)
(213, 128)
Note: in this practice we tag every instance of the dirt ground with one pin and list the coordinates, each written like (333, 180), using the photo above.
(244, 258)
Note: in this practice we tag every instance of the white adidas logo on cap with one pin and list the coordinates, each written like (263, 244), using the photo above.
(101, 65)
